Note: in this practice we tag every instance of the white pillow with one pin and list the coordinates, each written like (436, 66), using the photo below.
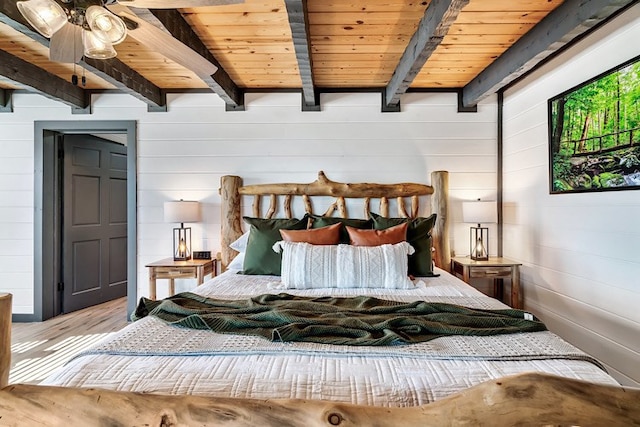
(240, 244)
(306, 266)
(237, 262)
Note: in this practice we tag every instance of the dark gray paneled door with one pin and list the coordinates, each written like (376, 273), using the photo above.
(94, 221)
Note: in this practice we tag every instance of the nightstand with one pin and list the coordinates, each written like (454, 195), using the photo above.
(170, 269)
(494, 268)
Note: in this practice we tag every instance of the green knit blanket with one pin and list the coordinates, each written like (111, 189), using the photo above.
(328, 320)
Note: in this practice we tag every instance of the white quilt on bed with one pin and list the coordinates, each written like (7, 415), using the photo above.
(252, 367)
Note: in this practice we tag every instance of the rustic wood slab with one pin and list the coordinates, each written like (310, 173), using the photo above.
(525, 399)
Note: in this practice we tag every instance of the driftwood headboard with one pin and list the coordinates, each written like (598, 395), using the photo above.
(232, 191)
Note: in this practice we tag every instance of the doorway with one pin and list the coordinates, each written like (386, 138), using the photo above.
(92, 186)
(46, 244)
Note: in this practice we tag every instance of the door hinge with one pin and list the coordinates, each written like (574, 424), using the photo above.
(61, 286)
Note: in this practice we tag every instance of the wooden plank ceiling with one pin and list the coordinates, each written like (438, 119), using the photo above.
(317, 45)
(359, 44)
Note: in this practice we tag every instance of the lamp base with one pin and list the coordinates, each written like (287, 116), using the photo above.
(479, 241)
(182, 244)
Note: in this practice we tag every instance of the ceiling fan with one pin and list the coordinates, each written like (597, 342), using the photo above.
(88, 28)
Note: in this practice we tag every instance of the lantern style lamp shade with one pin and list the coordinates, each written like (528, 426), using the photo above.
(479, 212)
(182, 211)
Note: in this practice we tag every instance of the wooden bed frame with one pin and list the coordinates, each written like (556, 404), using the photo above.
(525, 399)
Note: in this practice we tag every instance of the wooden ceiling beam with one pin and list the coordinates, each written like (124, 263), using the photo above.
(113, 70)
(220, 82)
(434, 25)
(128, 80)
(562, 25)
(299, 23)
(18, 71)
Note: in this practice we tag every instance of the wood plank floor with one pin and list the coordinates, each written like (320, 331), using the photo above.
(37, 349)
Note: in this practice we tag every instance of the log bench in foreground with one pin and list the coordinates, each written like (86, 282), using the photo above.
(525, 399)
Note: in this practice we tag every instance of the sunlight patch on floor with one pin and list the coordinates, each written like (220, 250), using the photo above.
(26, 346)
(47, 358)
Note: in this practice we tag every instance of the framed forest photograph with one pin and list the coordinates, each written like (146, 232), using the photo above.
(594, 133)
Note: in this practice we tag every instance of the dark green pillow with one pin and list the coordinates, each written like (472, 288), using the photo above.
(418, 236)
(323, 221)
(263, 234)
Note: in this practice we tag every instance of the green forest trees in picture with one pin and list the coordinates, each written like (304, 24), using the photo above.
(594, 132)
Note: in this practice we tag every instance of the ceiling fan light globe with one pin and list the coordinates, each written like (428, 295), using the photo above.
(105, 25)
(46, 16)
(95, 48)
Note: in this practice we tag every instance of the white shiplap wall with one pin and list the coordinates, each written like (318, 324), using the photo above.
(183, 153)
(581, 270)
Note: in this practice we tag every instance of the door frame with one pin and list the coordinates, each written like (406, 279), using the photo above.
(44, 216)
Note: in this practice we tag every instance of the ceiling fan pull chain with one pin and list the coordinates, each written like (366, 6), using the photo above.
(74, 77)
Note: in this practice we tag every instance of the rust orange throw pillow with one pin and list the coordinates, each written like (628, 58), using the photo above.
(329, 235)
(388, 236)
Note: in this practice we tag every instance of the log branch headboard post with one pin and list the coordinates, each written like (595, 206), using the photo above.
(231, 191)
(440, 206)
(231, 227)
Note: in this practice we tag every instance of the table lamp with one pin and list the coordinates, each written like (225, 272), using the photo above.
(479, 212)
(182, 211)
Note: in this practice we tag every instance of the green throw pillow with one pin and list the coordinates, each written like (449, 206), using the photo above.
(323, 221)
(418, 236)
(264, 233)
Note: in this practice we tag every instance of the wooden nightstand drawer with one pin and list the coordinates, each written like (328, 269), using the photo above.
(175, 272)
(489, 272)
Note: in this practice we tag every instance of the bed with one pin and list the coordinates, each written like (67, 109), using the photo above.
(179, 376)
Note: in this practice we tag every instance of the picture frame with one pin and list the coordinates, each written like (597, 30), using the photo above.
(594, 133)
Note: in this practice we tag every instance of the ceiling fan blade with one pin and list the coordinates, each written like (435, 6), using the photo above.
(176, 4)
(163, 43)
(66, 44)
